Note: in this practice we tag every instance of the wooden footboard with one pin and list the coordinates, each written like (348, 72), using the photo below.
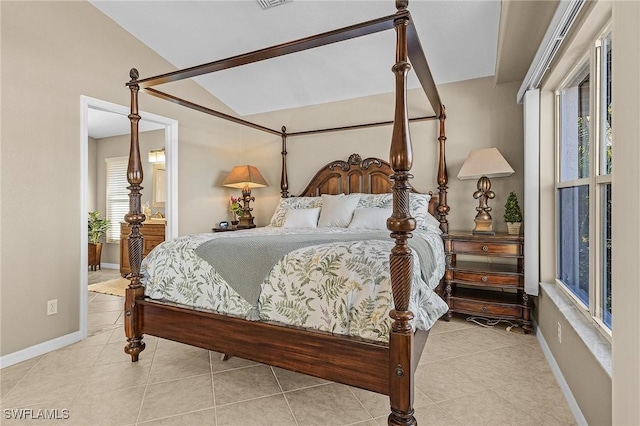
(337, 358)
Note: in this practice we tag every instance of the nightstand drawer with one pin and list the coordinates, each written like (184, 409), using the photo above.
(487, 248)
(486, 279)
(491, 303)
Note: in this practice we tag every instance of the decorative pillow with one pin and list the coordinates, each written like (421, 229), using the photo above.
(337, 210)
(419, 207)
(375, 200)
(301, 218)
(370, 218)
(292, 203)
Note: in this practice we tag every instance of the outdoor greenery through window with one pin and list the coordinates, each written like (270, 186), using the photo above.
(583, 184)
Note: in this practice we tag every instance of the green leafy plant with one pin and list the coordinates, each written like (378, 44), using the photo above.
(97, 227)
(512, 212)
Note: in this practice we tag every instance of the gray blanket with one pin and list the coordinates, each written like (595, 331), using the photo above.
(244, 262)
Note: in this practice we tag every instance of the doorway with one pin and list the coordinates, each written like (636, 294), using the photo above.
(115, 122)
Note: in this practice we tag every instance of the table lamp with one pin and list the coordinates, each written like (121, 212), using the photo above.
(483, 164)
(245, 177)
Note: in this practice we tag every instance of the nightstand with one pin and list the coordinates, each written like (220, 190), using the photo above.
(485, 283)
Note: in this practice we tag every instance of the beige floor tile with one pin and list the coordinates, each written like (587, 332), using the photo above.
(113, 353)
(102, 378)
(99, 338)
(69, 358)
(366, 423)
(233, 362)
(106, 306)
(439, 382)
(457, 322)
(433, 415)
(330, 404)
(41, 389)
(181, 396)
(486, 408)
(199, 418)
(378, 405)
(541, 399)
(10, 376)
(290, 380)
(489, 368)
(114, 407)
(102, 321)
(244, 384)
(100, 297)
(177, 364)
(271, 410)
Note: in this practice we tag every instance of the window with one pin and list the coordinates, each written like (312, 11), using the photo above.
(583, 185)
(117, 196)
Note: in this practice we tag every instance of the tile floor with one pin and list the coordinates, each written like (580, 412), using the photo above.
(468, 375)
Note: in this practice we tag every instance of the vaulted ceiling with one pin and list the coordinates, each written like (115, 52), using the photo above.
(462, 40)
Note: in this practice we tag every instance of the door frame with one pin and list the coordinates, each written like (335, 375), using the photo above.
(171, 162)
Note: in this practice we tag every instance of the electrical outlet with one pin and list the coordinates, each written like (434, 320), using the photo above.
(52, 307)
(559, 333)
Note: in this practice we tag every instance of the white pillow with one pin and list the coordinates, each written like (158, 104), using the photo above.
(301, 218)
(292, 203)
(337, 210)
(370, 218)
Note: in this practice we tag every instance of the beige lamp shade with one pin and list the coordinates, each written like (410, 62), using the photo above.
(244, 176)
(485, 162)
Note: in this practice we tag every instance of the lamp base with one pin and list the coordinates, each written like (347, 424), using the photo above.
(246, 222)
(483, 227)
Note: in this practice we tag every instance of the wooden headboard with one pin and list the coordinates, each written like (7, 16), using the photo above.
(368, 176)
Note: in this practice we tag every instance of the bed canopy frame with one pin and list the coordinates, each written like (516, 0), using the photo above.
(387, 369)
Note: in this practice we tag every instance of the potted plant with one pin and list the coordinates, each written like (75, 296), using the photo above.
(97, 228)
(513, 214)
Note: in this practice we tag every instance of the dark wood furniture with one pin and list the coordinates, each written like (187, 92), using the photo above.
(154, 234)
(484, 284)
(94, 255)
(384, 368)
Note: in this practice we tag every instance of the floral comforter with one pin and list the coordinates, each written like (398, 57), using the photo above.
(339, 287)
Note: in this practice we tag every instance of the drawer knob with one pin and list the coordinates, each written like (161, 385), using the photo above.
(484, 308)
(484, 278)
(485, 248)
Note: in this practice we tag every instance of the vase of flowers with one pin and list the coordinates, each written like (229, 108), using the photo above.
(235, 208)
(513, 214)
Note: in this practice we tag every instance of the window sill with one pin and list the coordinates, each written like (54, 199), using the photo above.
(599, 346)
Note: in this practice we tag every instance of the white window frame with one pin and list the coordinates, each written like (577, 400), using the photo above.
(116, 170)
(596, 181)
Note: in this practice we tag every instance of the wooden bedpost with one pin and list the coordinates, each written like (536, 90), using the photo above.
(284, 178)
(134, 218)
(443, 175)
(401, 225)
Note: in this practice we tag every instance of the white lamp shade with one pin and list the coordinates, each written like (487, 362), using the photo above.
(485, 162)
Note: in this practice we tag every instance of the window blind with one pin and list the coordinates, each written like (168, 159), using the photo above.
(117, 195)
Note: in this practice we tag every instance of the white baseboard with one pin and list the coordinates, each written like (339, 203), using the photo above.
(110, 266)
(39, 349)
(564, 386)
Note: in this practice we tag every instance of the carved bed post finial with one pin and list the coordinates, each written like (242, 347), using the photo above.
(443, 176)
(402, 4)
(401, 225)
(134, 218)
(284, 179)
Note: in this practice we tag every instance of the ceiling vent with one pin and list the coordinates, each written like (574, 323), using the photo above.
(266, 4)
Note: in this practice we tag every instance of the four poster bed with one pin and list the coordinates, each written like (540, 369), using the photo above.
(353, 340)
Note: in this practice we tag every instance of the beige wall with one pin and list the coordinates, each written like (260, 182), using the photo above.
(626, 220)
(92, 185)
(480, 114)
(52, 54)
